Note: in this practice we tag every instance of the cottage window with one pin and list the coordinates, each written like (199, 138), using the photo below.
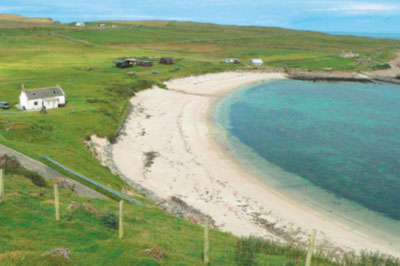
(35, 103)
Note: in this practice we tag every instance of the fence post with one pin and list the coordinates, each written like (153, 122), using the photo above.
(56, 202)
(206, 243)
(311, 247)
(1, 186)
(121, 224)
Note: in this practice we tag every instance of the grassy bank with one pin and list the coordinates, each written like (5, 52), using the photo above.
(152, 237)
(88, 229)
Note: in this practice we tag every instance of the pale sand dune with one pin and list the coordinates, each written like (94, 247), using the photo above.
(191, 165)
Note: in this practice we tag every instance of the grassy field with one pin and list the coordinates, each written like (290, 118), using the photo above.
(28, 229)
(81, 60)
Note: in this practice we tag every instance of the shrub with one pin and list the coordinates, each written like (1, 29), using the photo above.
(95, 100)
(112, 138)
(381, 66)
(162, 85)
(12, 166)
(8, 162)
(36, 178)
(247, 250)
(109, 220)
(125, 91)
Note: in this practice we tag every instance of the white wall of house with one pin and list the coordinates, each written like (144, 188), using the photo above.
(37, 104)
(230, 60)
(257, 62)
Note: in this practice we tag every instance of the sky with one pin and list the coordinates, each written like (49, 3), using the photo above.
(353, 16)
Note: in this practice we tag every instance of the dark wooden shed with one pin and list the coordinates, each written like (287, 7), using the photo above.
(167, 61)
(144, 63)
(124, 63)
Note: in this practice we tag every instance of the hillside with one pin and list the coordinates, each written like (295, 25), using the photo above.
(151, 236)
(82, 61)
(16, 21)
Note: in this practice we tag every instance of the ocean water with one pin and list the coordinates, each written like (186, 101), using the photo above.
(333, 145)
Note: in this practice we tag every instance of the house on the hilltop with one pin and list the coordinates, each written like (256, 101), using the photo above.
(45, 98)
(167, 60)
(144, 63)
(231, 61)
(80, 24)
(124, 63)
(344, 54)
(256, 62)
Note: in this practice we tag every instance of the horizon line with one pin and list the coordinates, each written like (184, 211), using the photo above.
(213, 23)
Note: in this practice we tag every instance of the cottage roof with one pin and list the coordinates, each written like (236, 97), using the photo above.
(44, 93)
(256, 61)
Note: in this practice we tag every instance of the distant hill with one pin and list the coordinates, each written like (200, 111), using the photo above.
(17, 21)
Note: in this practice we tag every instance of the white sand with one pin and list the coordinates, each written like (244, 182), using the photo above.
(191, 165)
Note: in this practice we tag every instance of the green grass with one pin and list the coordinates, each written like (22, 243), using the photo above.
(28, 226)
(98, 94)
(28, 229)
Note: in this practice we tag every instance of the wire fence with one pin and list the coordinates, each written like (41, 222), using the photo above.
(107, 232)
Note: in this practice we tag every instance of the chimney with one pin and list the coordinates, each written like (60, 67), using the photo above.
(58, 85)
(23, 88)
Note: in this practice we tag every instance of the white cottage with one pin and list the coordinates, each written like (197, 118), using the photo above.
(257, 62)
(231, 61)
(80, 24)
(38, 99)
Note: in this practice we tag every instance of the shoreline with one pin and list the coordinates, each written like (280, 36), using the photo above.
(349, 213)
(192, 166)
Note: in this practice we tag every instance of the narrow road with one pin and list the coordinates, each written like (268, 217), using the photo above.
(74, 39)
(48, 172)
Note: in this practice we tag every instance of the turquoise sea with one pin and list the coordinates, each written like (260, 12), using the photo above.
(333, 145)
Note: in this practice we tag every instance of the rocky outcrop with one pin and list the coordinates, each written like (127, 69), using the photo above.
(59, 252)
(178, 207)
(155, 253)
(332, 76)
(394, 80)
(77, 205)
(64, 183)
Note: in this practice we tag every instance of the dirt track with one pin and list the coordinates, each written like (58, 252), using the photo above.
(49, 173)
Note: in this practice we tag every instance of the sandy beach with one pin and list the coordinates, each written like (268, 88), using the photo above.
(169, 147)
